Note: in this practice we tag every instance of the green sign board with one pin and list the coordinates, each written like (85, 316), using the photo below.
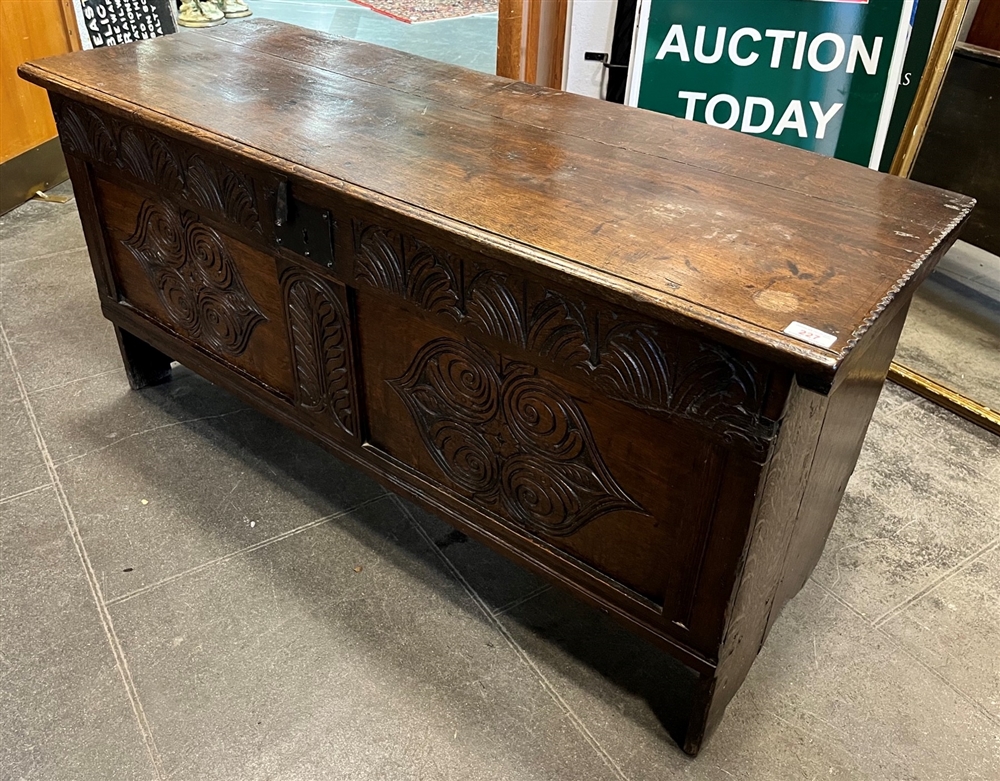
(817, 74)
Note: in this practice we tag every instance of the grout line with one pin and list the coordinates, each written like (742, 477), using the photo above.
(900, 645)
(78, 379)
(521, 600)
(37, 488)
(978, 706)
(249, 549)
(841, 600)
(95, 587)
(491, 617)
(944, 578)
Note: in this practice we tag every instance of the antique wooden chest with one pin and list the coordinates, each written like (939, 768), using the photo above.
(634, 354)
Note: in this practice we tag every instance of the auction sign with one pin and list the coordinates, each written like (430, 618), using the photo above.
(817, 74)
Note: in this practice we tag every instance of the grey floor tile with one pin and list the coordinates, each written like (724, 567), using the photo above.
(633, 697)
(180, 493)
(497, 580)
(39, 228)
(65, 713)
(97, 413)
(852, 701)
(53, 319)
(955, 629)
(289, 663)
(21, 464)
(916, 507)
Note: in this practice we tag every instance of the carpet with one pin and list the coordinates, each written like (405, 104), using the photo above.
(409, 11)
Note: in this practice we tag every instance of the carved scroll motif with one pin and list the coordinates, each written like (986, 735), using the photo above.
(509, 439)
(194, 277)
(318, 331)
(633, 362)
(160, 162)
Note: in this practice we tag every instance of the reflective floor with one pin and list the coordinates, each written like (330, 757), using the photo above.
(952, 333)
(469, 41)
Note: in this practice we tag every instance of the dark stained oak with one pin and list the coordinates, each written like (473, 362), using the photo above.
(557, 323)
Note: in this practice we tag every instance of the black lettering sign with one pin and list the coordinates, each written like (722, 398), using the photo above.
(111, 22)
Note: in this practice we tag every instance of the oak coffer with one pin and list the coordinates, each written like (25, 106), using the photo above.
(635, 354)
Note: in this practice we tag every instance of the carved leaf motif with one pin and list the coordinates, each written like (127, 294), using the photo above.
(149, 158)
(194, 277)
(493, 308)
(380, 259)
(430, 283)
(318, 333)
(220, 189)
(85, 133)
(633, 366)
(508, 438)
(713, 385)
(558, 330)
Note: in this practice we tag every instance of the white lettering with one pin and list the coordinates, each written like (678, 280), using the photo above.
(822, 120)
(868, 59)
(699, 46)
(748, 126)
(839, 49)
(800, 48)
(780, 36)
(674, 43)
(734, 111)
(734, 44)
(692, 99)
(792, 119)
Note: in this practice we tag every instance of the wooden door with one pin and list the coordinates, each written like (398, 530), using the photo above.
(29, 152)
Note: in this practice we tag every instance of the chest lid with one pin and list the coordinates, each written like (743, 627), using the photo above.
(778, 251)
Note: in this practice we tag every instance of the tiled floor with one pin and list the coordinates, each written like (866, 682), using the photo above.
(188, 592)
(469, 41)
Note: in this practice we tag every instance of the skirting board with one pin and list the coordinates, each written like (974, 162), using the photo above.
(37, 169)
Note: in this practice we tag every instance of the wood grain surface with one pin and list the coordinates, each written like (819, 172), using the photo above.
(717, 230)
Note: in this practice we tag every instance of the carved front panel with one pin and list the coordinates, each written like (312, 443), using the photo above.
(647, 365)
(200, 283)
(609, 486)
(194, 277)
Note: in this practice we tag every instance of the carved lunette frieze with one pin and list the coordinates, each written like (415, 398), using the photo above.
(194, 277)
(509, 439)
(633, 361)
(156, 160)
(319, 335)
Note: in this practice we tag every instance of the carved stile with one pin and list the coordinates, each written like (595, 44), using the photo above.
(318, 332)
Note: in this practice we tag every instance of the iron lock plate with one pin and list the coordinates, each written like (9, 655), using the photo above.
(302, 228)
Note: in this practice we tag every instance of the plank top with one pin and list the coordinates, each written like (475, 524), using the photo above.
(728, 232)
